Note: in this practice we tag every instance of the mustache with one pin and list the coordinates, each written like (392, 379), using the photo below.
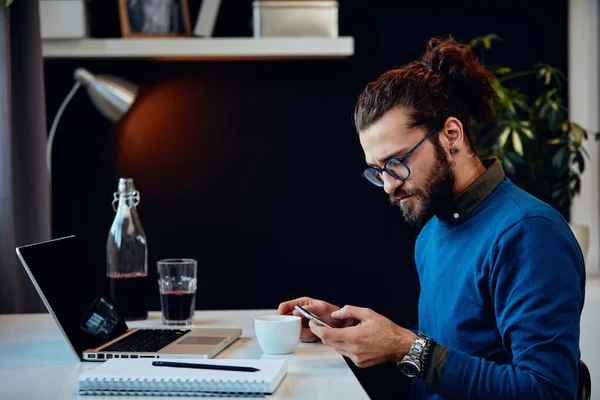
(400, 193)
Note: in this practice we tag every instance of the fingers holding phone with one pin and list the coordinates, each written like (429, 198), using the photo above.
(318, 308)
(306, 314)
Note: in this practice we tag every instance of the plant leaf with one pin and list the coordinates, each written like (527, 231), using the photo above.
(578, 159)
(585, 152)
(504, 136)
(543, 110)
(503, 70)
(527, 132)
(494, 36)
(521, 103)
(577, 185)
(515, 158)
(578, 132)
(495, 82)
(556, 193)
(509, 167)
(560, 161)
(552, 120)
(485, 40)
(517, 144)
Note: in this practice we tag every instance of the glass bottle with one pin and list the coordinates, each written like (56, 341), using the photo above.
(127, 255)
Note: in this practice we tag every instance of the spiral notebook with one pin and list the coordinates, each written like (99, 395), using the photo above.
(140, 377)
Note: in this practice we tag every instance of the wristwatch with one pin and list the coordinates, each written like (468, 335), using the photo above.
(412, 363)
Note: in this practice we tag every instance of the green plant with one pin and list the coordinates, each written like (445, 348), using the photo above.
(5, 3)
(540, 148)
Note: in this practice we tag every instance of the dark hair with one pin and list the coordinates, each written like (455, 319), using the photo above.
(447, 81)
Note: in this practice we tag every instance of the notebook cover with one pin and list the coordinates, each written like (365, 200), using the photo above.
(140, 377)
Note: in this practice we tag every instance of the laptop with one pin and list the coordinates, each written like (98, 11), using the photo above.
(76, 295)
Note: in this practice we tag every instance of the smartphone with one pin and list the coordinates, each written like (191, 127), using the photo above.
(308, 315)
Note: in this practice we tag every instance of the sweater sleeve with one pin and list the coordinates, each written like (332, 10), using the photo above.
(537, 282)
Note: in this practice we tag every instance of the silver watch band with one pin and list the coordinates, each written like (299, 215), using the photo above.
(412, 363)
(417, 348)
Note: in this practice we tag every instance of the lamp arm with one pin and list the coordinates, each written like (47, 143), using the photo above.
(61, 109)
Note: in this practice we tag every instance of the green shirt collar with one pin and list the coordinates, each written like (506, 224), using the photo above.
(466, 201)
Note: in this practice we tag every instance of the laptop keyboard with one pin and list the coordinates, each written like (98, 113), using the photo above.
(146, 340)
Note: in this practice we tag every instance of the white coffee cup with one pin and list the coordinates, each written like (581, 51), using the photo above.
(277, 334)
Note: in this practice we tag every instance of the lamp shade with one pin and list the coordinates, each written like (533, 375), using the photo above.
(111, 95)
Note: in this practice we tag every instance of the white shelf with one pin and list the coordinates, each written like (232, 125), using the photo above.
(200, 49)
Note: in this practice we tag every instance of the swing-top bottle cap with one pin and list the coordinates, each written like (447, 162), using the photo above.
(126, 186)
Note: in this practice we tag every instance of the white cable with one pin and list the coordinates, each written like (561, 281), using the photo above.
(54, 125)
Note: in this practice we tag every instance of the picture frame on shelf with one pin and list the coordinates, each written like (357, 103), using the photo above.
(154, 18)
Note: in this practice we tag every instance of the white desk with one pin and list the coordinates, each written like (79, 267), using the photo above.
(36, 362)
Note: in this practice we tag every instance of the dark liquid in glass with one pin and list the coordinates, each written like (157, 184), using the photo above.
(129, 293)
(178, 306)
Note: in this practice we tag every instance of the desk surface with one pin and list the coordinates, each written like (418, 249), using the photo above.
(37, 363)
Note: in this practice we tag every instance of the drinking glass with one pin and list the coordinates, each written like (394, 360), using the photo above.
(177, 279)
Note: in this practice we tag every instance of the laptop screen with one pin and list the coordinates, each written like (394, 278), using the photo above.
(69, 286)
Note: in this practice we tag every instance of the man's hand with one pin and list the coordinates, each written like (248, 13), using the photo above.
(374, 340)
(318, 308)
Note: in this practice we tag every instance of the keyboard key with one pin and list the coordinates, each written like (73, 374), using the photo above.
(146, 340)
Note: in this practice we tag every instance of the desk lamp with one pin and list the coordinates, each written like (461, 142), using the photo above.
(111, 95)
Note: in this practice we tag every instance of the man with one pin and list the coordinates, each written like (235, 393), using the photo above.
(502, 277)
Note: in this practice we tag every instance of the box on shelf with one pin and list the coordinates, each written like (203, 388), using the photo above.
(295, 18)
(63, 19)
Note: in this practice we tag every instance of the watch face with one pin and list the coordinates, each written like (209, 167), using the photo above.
(408, 368)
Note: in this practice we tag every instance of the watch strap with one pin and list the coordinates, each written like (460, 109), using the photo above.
(417, 348)
(426, 359)
(419, 355)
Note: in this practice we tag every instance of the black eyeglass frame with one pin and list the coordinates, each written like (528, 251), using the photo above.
(401, 160)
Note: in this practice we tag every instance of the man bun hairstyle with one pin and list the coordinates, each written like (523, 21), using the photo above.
(447, 81)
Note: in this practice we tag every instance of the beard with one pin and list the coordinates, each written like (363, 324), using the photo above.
(435, 193)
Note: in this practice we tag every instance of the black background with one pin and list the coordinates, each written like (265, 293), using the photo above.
(254, 168)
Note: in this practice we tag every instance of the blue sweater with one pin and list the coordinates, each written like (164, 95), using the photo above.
(503, 290)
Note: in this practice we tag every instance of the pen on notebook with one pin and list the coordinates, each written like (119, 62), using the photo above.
(203, 366)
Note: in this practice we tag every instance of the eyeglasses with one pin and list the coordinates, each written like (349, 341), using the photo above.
(395, 167)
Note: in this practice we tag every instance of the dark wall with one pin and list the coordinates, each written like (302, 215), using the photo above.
(253, 168)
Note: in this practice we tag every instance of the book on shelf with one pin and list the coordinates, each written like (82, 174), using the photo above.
(207, 17)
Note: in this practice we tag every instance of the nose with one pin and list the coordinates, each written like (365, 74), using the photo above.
(390, 184)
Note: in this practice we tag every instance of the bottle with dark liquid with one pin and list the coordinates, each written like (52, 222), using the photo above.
(127, 255)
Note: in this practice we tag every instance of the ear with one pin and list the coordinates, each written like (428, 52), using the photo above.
(452, 136)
